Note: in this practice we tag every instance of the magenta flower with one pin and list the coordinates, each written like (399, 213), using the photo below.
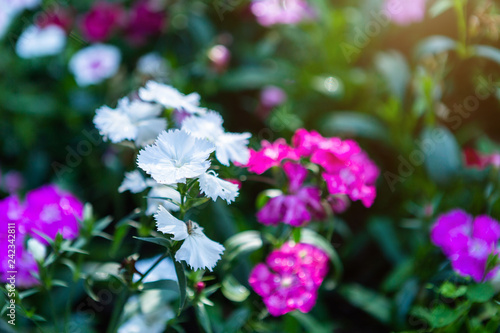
(291, 278)
(404, 12)
(271, 12)
(50, 210)
(270, 155)
(146, 19)
(475, 159)
(300, 206)
(467, 242)
(56, 16)
(101, 21)
(22, 262)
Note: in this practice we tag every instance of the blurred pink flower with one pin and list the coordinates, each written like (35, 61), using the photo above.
(290, 278)
(270, 12)
(219, 56)
(474, 158)
(272, 96)
(102, 20)
(50, 210)
(146, 19)
(270, 155)
(404, 12)
(467, 242)
(12, 181)
(56, 16)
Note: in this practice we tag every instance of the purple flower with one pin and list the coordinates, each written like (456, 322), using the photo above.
(271, 12)
(290, 279)
(467, 242)
(300, 206)
(50, 210)
(270, 155)
(404, 12)
(101, 21)
(272, 96)
(146, 19)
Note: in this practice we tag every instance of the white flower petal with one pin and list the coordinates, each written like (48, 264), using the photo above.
(175, 156)
(134, 182)
(37, 249)
(199, 251)
(208, 126)
(39, 42)
(114, 125)
(214, 187)
(148, 131)
(232, 147)
(162, 191)
(168, 224)
(170, 97)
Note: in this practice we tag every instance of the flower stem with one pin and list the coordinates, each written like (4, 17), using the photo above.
(462, 27)
(117, 311)
(152, 267)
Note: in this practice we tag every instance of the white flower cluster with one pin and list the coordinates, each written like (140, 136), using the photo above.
(175, 156)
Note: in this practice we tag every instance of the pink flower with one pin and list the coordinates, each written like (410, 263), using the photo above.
(11, 214)
(291, 278)
(404, 12)
(272, 96)
(297, 208)
(270, 155)
(481, 161)
(50, 210)
(146, 19)
(101, 21)
(270, 12)
(219, 56)
(467, 242)
(56, 16)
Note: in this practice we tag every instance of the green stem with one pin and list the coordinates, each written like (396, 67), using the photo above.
(151, 268)
(462, 27)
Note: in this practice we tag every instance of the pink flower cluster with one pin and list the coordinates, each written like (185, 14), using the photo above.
(344, 166)
(271, 12)
(47, 210)
(290, 278)
(404, 12)
(467, 242)
(146, 18)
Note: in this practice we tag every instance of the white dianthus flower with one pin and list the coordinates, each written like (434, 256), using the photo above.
(131, 120)
(175, 156)
(95, 63)
(197, 250)
(162, 191)
(40, 42)
(214, 187)
(135, 182)
(228, 146)
(170, 97)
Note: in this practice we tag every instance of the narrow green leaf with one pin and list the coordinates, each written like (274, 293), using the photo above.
(233, 290)
(181, 278)
(156, 240)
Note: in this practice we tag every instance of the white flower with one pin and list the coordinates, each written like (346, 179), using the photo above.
(229, 146)
(39, 42)
(170, 97)
(6, 17)
(131, 120)
(95, 64)
(135, 182)
(197, 250)
(175, 156)
(214, 187)
(152, 64)
(17, 6)
(37, 249)
(162, 191)
(165, 270)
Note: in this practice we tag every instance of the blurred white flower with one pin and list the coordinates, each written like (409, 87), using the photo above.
(165, 270)
(214, 187)
(131, 120)
(39, 42)
(170, 97)
(135, 182)
(175, 156)
(6, 17)
(228, 146)
(197, 250)
(95, 63)
(152, 64)
(37, 249)
(162, 191)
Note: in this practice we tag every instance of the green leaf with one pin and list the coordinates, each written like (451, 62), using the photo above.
(440, 7)
(434, 45)
(395, 70)
(156, 240)
(450, 290)
(203, 318)
(243, 242)
(383, 232)
(353, 123)
(236, 321)
(162, 284)
(441, 315)
(480, 293)
(368, 300)
(443, 156)
(488, 52)
(296, 234)
(310, 324)
(233, 290)
(181, 278)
